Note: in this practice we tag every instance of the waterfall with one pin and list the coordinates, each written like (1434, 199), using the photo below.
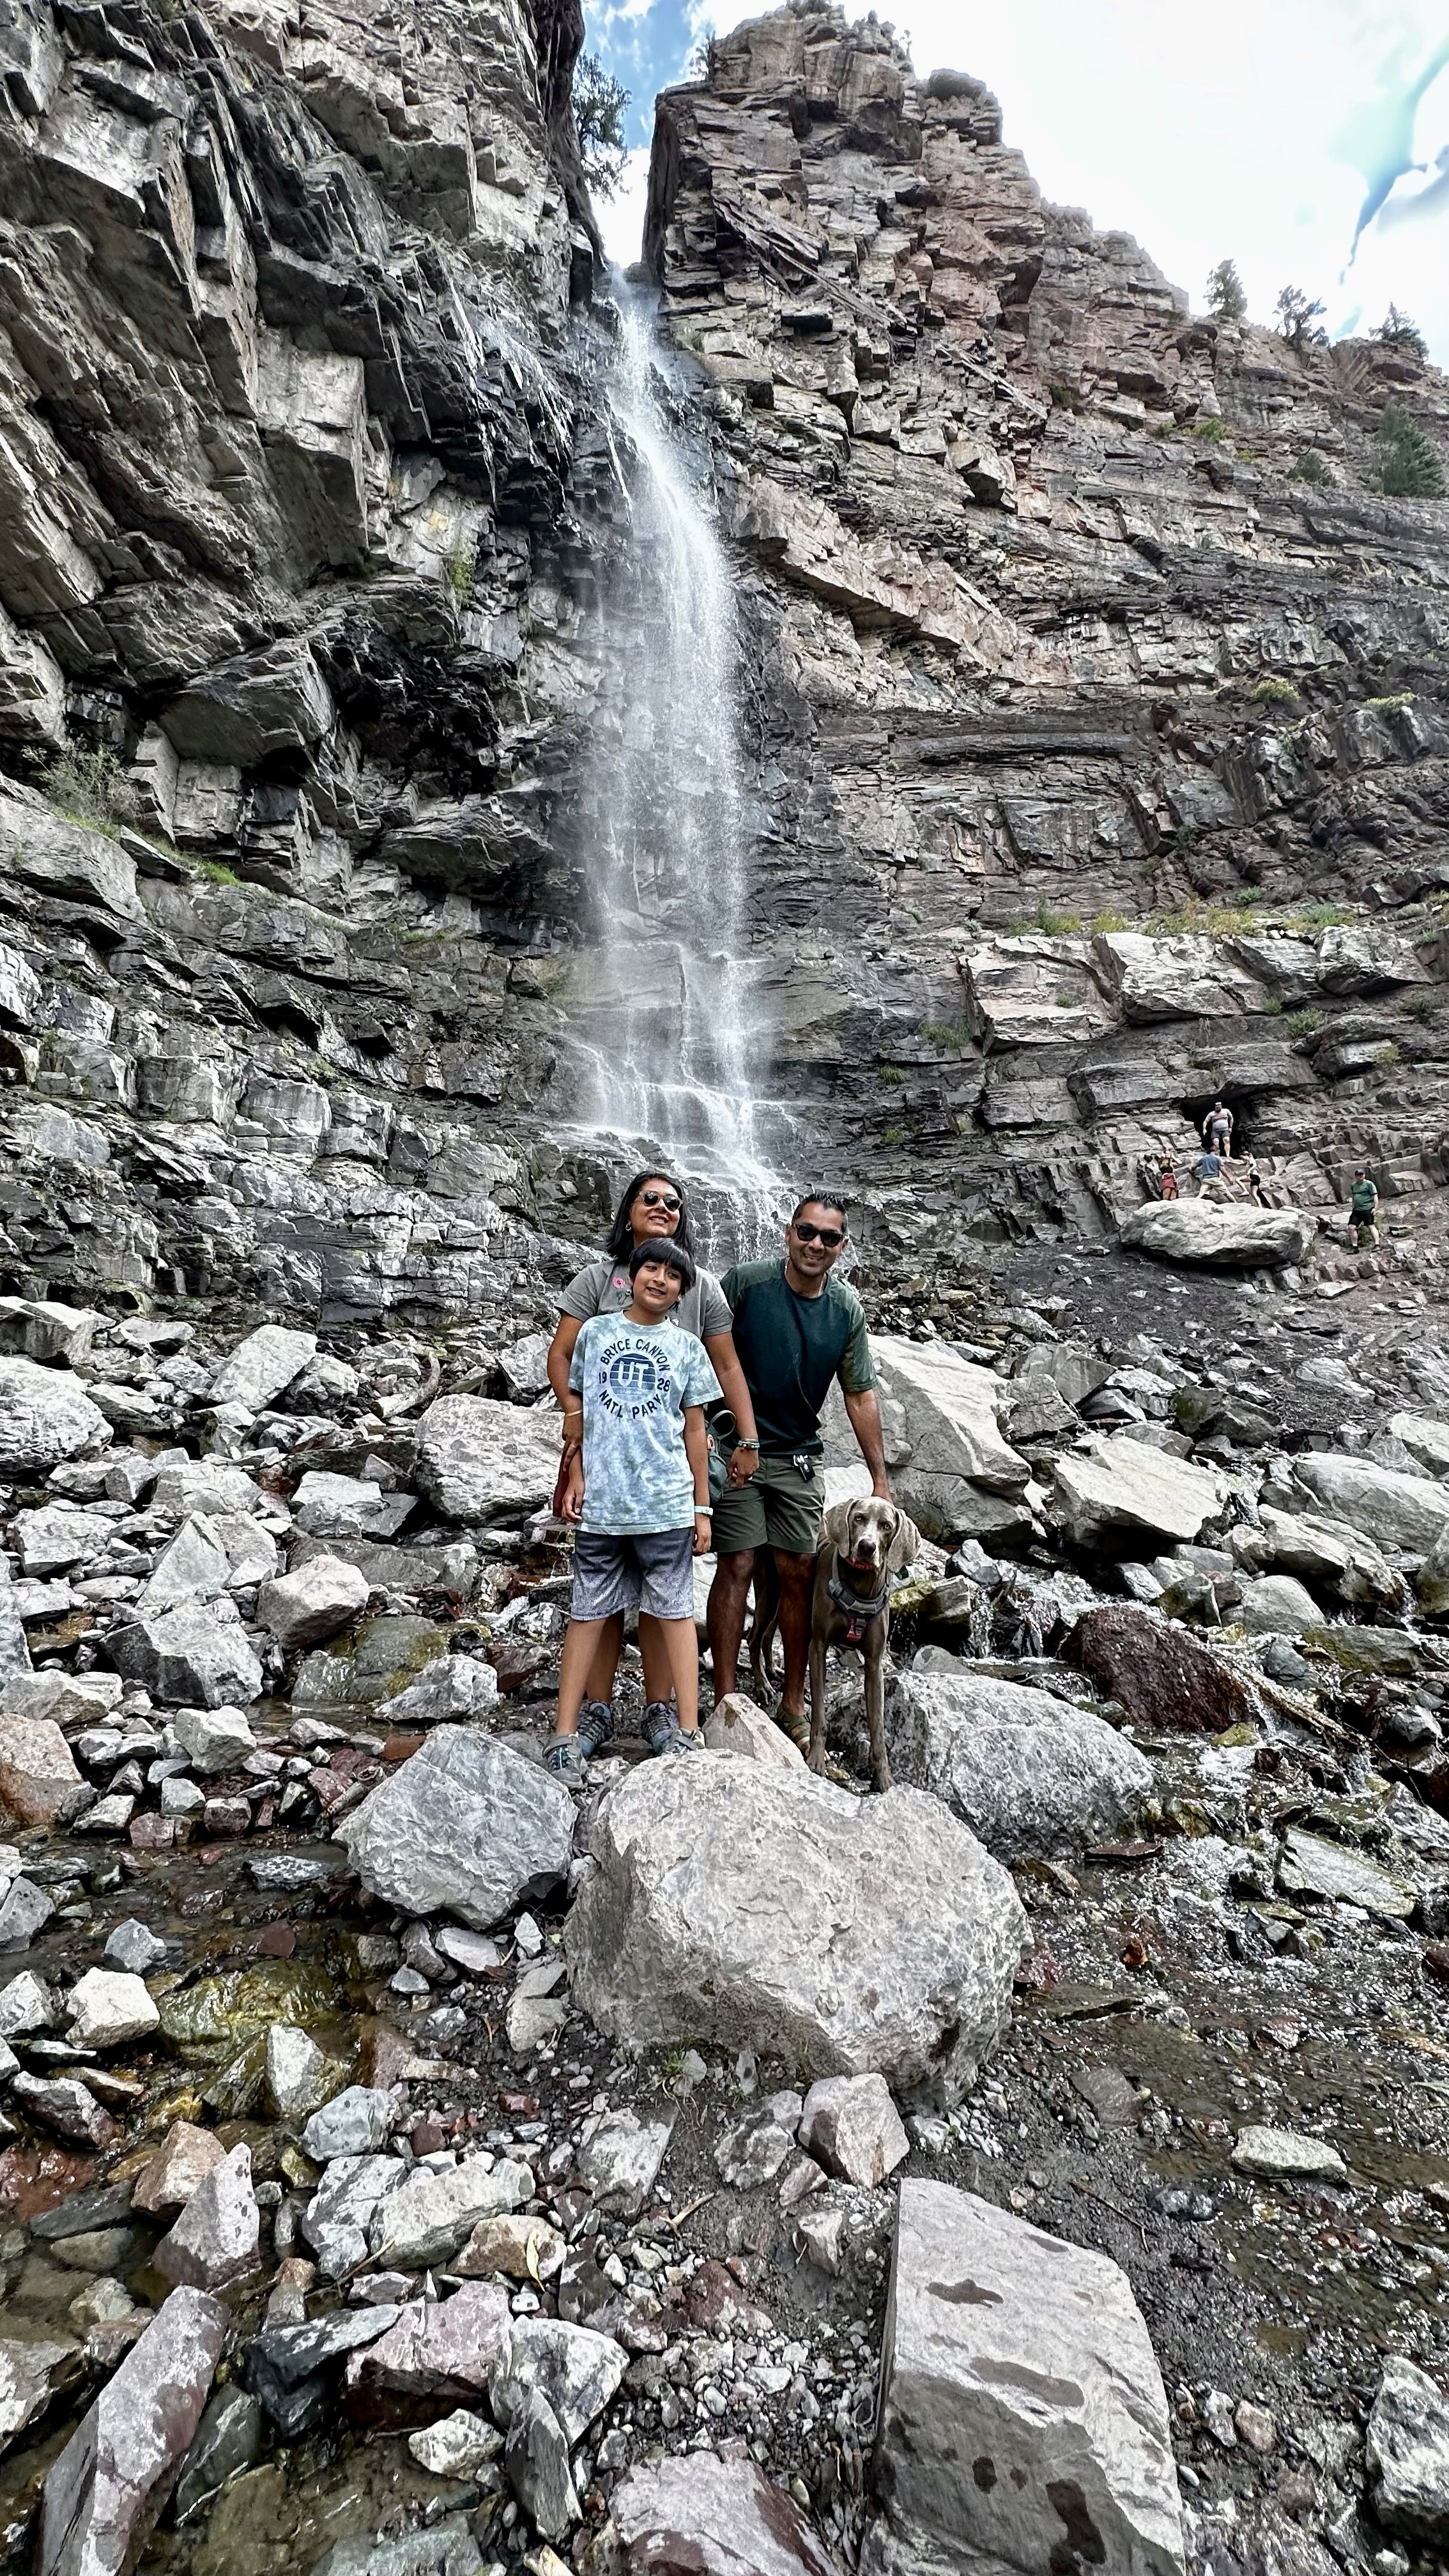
(667, 1003)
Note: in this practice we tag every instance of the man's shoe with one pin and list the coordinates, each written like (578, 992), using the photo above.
(685, 1739)
(596, 1727)
(564, 1761)
(661, 1721)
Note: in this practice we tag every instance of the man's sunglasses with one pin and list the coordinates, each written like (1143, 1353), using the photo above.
(661, 1198)
(832, 1236)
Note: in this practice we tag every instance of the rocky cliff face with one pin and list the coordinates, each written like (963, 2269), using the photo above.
(1076, 615)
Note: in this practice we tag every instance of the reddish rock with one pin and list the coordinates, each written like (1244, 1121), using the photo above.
(1160, 1674)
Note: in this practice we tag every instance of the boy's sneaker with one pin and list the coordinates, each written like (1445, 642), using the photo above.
(661, 1721)
(596, 1727)
(685, 1739)
(564, 1760)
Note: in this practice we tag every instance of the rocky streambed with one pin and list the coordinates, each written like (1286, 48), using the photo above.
(408, 2168)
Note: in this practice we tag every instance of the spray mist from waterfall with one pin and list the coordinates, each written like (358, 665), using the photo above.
(678, 1040)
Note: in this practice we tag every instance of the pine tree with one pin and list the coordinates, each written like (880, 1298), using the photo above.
(1407, 465)
(600, 103)
(1396, 331)
(1227, 300)
(1297, 316)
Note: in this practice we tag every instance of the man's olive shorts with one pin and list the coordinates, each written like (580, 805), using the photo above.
(777, 1508)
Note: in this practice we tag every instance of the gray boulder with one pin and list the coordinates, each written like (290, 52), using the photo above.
(1407, 2449)
(262, 1367)
(1397, 1510)
(482, 1461)
(1214, 1237)
(192, 1651)
(1277, 1606)
(951, 1468)
(716, 2517)
(1118, 1492)
(1026, 1771)
(45, 1416)
(850, 2125)
(214, 2241)
(465, 1826)
(452, 1687)
(307, 1607)
(214, 1740)
(1023, 2422)
(102, 2496)
(764, 1909)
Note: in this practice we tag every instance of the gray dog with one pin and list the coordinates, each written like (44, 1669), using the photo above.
(862, 1544)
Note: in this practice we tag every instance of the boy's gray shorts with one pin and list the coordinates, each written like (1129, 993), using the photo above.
(653, 1572)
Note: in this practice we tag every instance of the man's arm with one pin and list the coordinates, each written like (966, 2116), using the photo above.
(864, 1413)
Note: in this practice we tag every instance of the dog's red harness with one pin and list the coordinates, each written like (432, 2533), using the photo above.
(858, 1614)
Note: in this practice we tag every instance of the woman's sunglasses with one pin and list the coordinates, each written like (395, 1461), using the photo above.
(829, 1235)
(661, 1198)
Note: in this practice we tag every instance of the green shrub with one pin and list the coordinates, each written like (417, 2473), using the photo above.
(1396, 331)
(891, 1075)
(1056, 925)
(1310, 468)
(1407, 464)
(1422, 1006)
(1103, 922)
(600, 103)
(1298, 320)
(952, 1034)
(1212, 429)
(1273, 692)
(1304, 1023)
(460, 564)
(1065, 397)
(85, 786)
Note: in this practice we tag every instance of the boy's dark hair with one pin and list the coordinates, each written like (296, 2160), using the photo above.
(665, 1249)
(818, 1198)
(621, 1233)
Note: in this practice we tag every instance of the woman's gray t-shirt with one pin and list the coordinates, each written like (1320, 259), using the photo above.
(605, 1288)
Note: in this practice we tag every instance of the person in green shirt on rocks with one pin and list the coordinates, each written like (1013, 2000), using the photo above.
(796, 1329)
(1363, 1210)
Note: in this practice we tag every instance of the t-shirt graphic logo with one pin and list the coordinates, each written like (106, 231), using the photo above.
(633, 1383)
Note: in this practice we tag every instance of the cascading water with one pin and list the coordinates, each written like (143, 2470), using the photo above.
(667, 1004)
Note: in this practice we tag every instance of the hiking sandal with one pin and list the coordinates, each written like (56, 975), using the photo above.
(795, 1724)
(685, 1739)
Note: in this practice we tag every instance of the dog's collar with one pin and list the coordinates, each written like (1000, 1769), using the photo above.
(859, 1612)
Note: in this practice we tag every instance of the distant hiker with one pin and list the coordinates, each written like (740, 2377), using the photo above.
(638, 1489)
(1209, 1169)
(653, 1209)
(1217, 1131)
(797, 1329)
(1167, 1179)
(1363, 1209)
(1254, 1179)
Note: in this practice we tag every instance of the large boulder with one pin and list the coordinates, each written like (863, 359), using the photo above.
(45, 1416)
(481, 1461)
(1397, 1510)
(38, 1778)
(1326, 1555)
(465, 1826)
(262, 1367)
(103, 2494)
(1026, 1771)
(749, 1907)
(1119, 1492)
(1023, 2422)
(309, 1605)
(951, 1468)
(1186, 978)
(1407, 2450)
(1219, 1237)
(195, 1653)
(1162, 1676)
(711, 2517)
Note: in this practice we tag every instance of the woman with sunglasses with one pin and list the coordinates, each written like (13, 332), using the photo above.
(653, 1205)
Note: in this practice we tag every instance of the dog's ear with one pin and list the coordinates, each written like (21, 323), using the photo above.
(835, 1528)
(905, 1546)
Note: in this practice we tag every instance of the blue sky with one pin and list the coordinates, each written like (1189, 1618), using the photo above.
(1266, 131)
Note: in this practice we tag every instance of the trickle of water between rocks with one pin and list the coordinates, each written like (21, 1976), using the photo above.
(676, 1031)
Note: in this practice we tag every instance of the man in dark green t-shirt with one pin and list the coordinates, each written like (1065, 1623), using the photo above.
(796, 1330)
